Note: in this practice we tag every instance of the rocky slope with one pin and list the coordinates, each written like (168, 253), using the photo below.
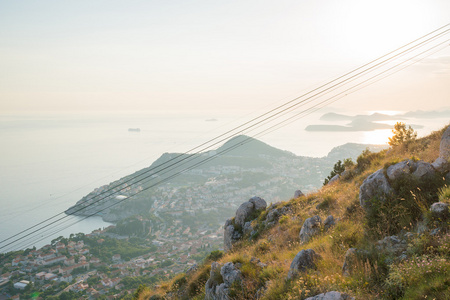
(379, 232)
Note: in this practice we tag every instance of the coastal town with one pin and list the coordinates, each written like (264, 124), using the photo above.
(69, 265)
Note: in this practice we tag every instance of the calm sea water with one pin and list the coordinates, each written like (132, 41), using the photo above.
(49, 161)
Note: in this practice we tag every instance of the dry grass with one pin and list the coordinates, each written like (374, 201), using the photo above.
(277, 246)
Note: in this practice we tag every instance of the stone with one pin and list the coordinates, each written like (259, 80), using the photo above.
(220, 280)
(192, 269)
(310, 228)
(376, 185)
(444, 149)
(258, 202)
(230, 236)
(298, 193)
(244, 210)
(329, 222)
(424, 170)
(396, 171)
(350, 261)
(441, 165)
(304, 260)
(392, 244)
(230, 273)
(333, 295)
(247, 228)
(439, 210)
(334, 179)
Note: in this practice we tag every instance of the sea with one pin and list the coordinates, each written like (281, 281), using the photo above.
(49, 161)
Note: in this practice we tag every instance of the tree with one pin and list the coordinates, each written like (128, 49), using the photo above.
(402, 135)
(338, 168)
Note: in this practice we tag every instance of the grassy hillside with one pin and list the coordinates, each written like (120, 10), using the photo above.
(375, 274)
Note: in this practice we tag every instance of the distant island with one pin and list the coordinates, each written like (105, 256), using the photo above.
(372, 122)
(134, 129)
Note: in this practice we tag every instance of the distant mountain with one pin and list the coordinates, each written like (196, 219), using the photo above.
(215, 180)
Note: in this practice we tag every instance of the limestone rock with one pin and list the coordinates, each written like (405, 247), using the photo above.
(298, 193)
(332, 296)
(258, 202)
(376, 185)
(243, 212)
(424, 170)
(392, 244)
(334, 179)
(444, 150)
(329, 222)
(248, 208)
(439, 210)
(305, 259)
(352, 258)
(396, 171)
(441, 165)
(310, 228)
(230, 236)
(247, 228)
(220, 280)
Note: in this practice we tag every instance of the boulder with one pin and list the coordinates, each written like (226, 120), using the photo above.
(424, 170)
(230, 236)
(243, 212)
(396, 171)
(220, 280)
(234, 232)
(441, 165)
(247, 209)
(444, 150)
(392, 244)
(439, 211)
(259, 203)
(332, 296)
(334, 179)
(329, 222)
(376, 185)
(304, 260)
(310, 228)
(298, 193)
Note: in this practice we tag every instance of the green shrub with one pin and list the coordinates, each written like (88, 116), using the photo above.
(214, 256)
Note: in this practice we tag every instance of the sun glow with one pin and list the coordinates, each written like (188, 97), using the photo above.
(379, 137)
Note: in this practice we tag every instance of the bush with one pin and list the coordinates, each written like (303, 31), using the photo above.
(402, 135)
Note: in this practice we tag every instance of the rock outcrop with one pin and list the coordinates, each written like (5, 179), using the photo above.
(304, 260)
(310, 228)
(376, 185)
(235, 229)
(351, 260)
(334, 179)
(332, 296)
(329, 222)
(220, 280)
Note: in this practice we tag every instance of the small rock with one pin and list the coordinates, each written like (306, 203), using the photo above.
(298, 193)
(329, 222)
(435, 231)
(247, 228)
(439, 210)
(392, 244)
(258, 202)
(350, 261)
(334, 179)
(304, 260)
(310, 228)
(332, 296)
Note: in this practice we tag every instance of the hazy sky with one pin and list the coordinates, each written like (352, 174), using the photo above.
(210, 55)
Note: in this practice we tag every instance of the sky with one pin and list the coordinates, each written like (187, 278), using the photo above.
(108, 55)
